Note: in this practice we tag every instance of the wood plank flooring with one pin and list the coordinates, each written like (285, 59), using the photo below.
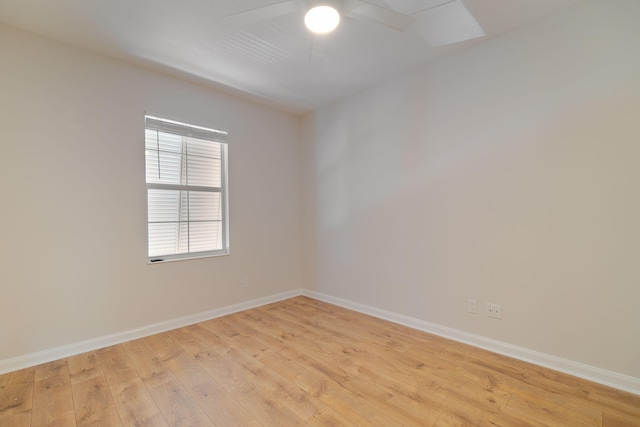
(303, 362)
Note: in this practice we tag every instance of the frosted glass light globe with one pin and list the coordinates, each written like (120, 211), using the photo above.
(322, 19)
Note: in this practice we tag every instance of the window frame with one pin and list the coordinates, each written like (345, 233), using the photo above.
(192, 131)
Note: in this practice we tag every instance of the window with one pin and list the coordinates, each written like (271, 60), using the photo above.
(186, 169)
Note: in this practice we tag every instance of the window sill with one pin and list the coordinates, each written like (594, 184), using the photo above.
(164, 260)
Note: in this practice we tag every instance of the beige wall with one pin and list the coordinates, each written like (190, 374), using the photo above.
(507, 173)
(72, 254)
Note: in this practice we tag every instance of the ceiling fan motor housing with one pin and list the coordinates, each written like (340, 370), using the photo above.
(308, 4)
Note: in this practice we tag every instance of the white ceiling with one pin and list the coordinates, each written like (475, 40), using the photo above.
(276, 60)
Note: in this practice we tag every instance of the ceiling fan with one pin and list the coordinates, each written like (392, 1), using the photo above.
(332, 10)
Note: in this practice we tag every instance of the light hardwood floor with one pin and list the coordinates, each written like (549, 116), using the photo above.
(303, 362)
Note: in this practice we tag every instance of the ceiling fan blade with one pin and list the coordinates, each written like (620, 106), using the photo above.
(263, 13)
(390, 18)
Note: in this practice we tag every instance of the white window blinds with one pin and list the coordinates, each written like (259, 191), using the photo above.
(186, 190)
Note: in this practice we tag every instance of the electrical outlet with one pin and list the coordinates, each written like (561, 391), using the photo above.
(494, 310)
(245, 282)
(472, 306)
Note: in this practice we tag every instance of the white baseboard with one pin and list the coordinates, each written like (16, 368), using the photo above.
(33, 359)
(591, 373)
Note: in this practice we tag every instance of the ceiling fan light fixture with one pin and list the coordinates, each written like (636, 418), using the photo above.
(322, 19)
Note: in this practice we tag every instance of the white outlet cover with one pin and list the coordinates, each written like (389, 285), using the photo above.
(494, 310)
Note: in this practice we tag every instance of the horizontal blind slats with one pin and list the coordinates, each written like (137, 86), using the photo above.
(183, 129)
(182, 219)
